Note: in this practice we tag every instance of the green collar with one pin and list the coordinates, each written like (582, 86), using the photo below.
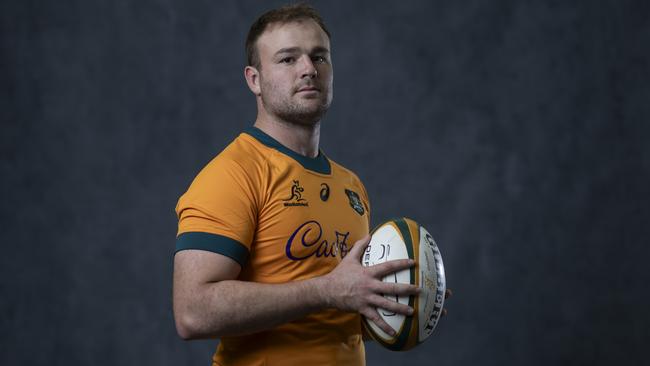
(319, 164)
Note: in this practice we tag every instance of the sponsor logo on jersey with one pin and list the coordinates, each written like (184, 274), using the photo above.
(355, 201)
(307, 241)
(296, 196)
(324, 192)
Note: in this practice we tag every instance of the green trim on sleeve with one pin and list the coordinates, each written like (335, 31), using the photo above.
(213, 243)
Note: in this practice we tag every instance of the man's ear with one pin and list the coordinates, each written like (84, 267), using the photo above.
(253, 79)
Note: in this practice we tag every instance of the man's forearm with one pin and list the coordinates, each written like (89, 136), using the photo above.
(231, 307)
(209, 304)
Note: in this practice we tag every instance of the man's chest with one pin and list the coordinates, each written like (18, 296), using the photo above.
(307, 224)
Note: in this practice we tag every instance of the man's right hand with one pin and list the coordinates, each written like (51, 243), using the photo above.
(353, 287)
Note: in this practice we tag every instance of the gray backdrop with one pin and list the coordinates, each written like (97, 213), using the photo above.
(515, 131)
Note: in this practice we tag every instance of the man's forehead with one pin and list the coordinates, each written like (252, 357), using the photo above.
(295, 34)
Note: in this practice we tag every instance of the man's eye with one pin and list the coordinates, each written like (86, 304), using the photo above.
(287, 60)
(319, 59)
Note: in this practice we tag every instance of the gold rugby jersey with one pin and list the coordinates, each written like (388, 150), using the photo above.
(283, 217)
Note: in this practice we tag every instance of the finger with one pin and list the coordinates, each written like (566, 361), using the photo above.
(382, 269)
(372, 314)
(359, 247)
(448, 293)
(391, 305)
(399, 289)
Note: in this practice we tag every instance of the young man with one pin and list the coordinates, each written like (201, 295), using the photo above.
(271, 231)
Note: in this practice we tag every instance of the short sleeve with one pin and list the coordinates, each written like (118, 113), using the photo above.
(366, 200)
(218, 213)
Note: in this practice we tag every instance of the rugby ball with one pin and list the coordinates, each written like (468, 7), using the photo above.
(404, 238)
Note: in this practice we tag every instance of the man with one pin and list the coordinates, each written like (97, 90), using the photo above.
(271, 231)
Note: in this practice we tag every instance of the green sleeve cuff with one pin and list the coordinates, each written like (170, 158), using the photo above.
(213, 243)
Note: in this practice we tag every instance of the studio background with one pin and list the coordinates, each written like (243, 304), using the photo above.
(515, 131)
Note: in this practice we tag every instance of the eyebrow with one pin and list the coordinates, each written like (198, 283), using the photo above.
(317, 49)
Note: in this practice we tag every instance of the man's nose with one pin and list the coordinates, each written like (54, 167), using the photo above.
(308, 69)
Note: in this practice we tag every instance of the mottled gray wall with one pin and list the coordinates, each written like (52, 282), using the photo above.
(515, 131)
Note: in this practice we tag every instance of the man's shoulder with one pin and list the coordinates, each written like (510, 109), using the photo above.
(239, 160)
(343, 172)
(242, 152)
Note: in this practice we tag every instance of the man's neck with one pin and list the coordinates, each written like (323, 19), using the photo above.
(299, 138)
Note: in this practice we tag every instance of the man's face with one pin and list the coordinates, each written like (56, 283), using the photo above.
(295, 72)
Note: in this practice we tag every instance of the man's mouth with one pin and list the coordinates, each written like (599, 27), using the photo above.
(307, 88)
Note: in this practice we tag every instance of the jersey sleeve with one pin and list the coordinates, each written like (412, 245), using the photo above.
(365, 200)
(218, 213)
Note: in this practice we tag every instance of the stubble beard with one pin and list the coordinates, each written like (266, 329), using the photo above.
(287, 109)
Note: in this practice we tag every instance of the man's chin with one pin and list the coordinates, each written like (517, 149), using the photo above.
(304, 117)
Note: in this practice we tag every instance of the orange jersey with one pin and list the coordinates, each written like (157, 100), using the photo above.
(284, 217)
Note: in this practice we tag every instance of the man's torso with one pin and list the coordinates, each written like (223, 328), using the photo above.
(305, 216)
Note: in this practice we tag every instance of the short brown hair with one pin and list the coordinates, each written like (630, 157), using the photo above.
(285, 14)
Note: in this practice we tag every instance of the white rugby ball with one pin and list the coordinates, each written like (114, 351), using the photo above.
(404, 238)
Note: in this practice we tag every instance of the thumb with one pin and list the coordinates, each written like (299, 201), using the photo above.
(359, 247)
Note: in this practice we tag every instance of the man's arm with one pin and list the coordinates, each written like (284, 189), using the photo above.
(209, 302)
